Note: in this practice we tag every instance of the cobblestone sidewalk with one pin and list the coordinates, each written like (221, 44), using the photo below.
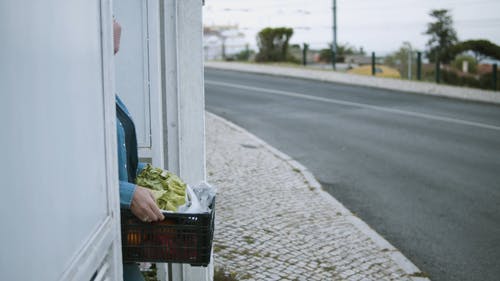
(274, 222)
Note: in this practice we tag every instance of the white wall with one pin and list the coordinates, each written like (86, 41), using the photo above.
(58, 196)
(184, 103)
(138, 77)
(59, 181)
(162, 48)
(131, 64)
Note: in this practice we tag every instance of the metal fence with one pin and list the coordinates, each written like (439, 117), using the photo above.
(413, 66)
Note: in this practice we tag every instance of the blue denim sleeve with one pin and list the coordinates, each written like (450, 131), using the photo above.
(140, 167)
(126, 192)
(127, 189)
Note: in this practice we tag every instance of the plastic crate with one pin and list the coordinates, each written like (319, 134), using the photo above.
(180, 238)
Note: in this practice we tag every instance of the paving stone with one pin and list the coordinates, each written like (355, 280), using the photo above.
(265, 224)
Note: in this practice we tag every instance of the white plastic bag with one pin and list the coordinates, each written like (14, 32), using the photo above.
(200, 198)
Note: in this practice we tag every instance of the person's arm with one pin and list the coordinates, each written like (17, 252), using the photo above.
(140, 201)
(140, 167)
(126, 193)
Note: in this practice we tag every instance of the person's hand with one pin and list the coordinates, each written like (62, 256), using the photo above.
(144, 205)
(117, 32)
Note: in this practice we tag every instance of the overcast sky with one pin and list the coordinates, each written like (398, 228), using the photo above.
(379, 26)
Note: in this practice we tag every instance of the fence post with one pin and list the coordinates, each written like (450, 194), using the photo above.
(494, 77)
(438, 70)
(304, 54)
(373, 63)
(410, 60)
(419, 66)
(334, 59)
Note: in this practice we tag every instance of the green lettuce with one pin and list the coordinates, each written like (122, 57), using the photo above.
(168, 189)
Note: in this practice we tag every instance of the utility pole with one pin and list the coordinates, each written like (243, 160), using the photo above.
(334, 43)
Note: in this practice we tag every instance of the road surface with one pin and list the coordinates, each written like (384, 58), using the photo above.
(422, 171)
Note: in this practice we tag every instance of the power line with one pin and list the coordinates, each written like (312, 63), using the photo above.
(408, 3)
(364, 6)
(484, 22)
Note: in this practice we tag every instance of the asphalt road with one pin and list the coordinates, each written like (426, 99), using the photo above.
(423, 171)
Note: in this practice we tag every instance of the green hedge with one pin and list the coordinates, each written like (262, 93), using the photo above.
(450, 77)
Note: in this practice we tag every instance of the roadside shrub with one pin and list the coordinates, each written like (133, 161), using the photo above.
(486, 80)
(325, 55)
(244, 55)
(451, 77)
(458, 61)
(294, 54)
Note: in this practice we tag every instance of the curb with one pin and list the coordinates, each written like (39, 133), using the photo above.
(412, 87)
(405, 264)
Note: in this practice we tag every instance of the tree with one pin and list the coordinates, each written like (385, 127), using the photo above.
(343, 50)
(457, 63)
(273, 44)
(399, 59)
(443, 36)
(481, 48)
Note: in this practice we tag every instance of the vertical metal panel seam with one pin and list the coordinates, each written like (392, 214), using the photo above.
(178, 88)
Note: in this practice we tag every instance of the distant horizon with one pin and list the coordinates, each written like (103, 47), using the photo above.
(380, 27)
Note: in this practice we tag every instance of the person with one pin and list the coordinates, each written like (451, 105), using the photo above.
(138, 199)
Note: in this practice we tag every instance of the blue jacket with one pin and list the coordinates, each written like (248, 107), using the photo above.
(127, 189)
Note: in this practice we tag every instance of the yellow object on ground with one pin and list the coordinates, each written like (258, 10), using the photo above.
(380, 71)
